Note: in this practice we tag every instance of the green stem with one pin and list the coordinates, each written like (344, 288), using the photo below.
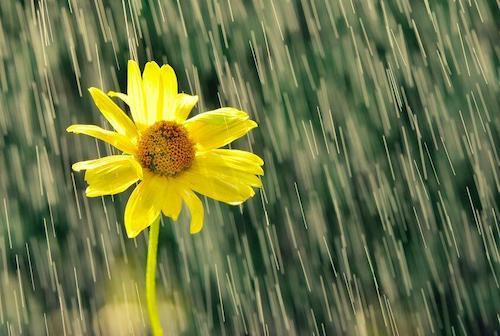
(150, 278)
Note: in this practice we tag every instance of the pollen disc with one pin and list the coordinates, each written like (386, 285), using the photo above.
(165, 148)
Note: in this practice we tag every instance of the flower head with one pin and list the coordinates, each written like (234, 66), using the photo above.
(172, 157)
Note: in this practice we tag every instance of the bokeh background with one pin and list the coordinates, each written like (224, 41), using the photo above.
(378, 124)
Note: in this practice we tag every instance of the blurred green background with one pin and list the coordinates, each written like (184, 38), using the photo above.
(378, 124)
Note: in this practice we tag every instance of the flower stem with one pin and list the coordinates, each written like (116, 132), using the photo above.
(150, 278)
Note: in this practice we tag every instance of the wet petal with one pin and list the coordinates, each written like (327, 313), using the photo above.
(196, 210)
(169, 90)
(172, 203)
(119, 141)
(151, 80)
(185, 104)
(113, 113)
(135, 94)
(121, 96)
(219, 181)
(233, 159)
(144, 204)
(217, 128)
(109, 175)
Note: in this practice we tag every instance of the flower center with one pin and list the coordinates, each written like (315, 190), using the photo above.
(165, 148)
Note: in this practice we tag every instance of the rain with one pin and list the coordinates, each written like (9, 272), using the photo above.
(379, 128)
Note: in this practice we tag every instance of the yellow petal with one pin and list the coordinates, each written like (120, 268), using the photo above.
(218, 181)
(151, 81)
(172, 202)
(144, 204)
(121, 159)
(135, 94)
(185, 104)
(169, 90)
(120, 95)
(195, 208)
(217, 128)
(119, 141)
(113, 113)
(109, 175)
(233, 159)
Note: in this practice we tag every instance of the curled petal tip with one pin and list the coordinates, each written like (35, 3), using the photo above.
(90, 193)
(195, 229)
(132, 234)
(153, 63)
(76, 167)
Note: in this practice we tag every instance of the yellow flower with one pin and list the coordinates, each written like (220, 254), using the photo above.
(172, 156)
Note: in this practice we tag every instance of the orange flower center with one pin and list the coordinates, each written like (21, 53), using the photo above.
(165, 148)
